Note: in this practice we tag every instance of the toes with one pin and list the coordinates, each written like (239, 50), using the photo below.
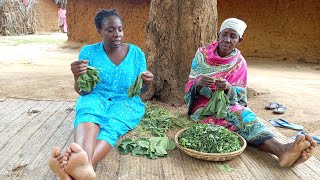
(60, 157)
(310, 150)
(300, 138)
(65, 158)
(67, 154)
(304, 144)
(75, 147)
(314, 143)
(68, 151)
(55, 152)
(63, 163)
(310, 140)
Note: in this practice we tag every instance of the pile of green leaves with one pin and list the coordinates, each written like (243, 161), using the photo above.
(89, 79)
(135, 88)
(157, 121)
(217, 105)
(210, 139)
(152, 147)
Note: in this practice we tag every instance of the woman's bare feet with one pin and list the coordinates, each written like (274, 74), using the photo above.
(307, 153)
(54, 165)
(76, 163)
(292, 152)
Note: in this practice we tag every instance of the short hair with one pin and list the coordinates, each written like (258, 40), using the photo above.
(104, 13)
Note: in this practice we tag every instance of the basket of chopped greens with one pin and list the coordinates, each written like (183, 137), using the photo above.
(210, 142)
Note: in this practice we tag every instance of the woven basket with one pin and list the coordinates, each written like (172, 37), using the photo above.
(210, 156)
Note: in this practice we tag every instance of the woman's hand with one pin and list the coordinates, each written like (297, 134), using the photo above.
(222, 84)
(78, 68)
(147, 77)
(205, 81)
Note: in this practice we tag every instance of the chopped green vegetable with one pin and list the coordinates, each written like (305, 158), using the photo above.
(210, 139)
(89, 79)
(217, 105)
(152, 147)
(135, 88)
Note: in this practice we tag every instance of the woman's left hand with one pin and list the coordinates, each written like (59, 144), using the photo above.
(222, 84)
(147, 77)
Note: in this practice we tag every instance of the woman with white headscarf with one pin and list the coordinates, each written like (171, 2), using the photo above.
(220, 66)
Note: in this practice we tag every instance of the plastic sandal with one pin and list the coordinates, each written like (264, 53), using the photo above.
(280, 110)
(285, 124)
(273, 105)
(315, 138)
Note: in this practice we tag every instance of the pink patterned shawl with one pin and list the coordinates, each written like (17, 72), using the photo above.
(233, 68)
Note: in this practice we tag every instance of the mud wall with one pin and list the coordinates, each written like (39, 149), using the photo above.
(280, 29)
(47, 16)
(277, 29)
(81, 13)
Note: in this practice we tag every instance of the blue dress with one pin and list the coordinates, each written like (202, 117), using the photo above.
(108, 104)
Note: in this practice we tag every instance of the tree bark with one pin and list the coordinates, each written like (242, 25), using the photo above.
(175, 30)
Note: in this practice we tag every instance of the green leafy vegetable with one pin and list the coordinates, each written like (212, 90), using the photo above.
(126, 146)
(135, 88)
(152, 147)
(89, 79)
(210, 139)
(157, 120)
(224, 167)
(217, 105)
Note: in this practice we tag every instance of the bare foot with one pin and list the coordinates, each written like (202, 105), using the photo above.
(293, 151)
(54, 165)
(76, 163)
(307, 153)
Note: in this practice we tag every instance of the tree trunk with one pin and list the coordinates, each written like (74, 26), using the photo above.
(175, 30)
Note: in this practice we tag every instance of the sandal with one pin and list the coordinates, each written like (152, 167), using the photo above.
(285, 124)
(273, 105)
(315, 138)
(280, 110)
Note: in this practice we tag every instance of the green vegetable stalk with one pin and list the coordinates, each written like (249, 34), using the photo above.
(135, 88)
(217, 105)
(89, 79)
(210, 139)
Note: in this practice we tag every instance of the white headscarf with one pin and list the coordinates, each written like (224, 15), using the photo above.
(236, 24)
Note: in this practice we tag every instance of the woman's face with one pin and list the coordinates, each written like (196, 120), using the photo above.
(111, 31)
(228, 39)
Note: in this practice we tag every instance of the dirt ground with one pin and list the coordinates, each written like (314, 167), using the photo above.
(38, 67)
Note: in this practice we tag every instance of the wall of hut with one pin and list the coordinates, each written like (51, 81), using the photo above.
(80, 15)
(277, 29)
(47, 16)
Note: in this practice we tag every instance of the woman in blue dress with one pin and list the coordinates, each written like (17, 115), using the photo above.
(105, 113)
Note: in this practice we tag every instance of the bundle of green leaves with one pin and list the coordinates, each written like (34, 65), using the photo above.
(157, 121)
(217, 105)
(89, 79)
(210, 139)
(152, 147)
(135, 88)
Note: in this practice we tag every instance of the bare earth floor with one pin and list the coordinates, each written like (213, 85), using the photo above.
(36, 67)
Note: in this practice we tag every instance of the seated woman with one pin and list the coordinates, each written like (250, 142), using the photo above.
(220, 66)
(105, 113)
